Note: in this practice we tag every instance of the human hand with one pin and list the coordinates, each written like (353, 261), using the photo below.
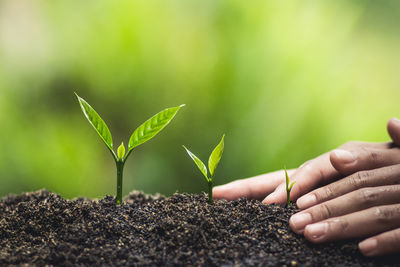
(311, 174)
(347, 159)
(365, 204)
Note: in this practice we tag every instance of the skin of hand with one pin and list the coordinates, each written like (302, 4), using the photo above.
(364, 204)
(362, 159)
(307, 176)
(348, 159)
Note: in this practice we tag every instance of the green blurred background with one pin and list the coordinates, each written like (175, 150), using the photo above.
(285, 80)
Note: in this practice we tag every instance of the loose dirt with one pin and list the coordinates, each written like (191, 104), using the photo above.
(42, 228)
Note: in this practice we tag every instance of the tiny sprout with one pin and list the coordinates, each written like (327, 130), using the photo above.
(213, 161)
(142, 134)
(288, 187)
(121, 151)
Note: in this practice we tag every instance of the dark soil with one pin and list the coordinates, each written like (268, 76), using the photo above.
(42, 228)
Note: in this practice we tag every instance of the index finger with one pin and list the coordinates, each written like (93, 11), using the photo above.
(253, 188)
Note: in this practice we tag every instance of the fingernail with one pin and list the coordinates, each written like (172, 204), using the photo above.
(368, 246)
(300, 220)
(344, 155)
(270, 198)
(306, 201)
(317, 230)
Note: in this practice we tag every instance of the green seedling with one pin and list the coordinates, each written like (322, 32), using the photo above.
(213, 161)
(288, 187)
(142, 134)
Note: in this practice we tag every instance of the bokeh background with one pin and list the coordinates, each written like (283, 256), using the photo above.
(285, 80)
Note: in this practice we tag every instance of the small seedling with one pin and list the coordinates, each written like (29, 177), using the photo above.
(142, 134)
(288, 187)
(213, 161)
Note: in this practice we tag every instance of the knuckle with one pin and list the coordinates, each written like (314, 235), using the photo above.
(368, 196)
(338, 225)
(325, 193)
(371, 155)
(393, 173)
(385, 214)
(359, 179)
(329, 192)
(325, 210)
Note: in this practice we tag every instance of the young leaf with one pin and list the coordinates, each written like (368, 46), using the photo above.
(288, 184)
(151, 127)
(215, 157)
(96, 121)
(287, 179)
(291, 185)
(121, 151)
(198, 162)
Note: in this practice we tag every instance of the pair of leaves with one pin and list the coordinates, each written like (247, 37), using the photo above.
(288, 185)
(213, 160)
(142, 134)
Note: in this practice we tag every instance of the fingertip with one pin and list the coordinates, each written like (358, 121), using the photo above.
(342, 160)
(270, 199)
(222, 192)
(393, 128)
(275, 198)
(316, 233)
(299, 221)
(394, 122)
(368, 247)
(306, 201)
(294, 228)
(344, 156)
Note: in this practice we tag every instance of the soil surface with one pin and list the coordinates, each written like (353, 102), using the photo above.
(41, 228)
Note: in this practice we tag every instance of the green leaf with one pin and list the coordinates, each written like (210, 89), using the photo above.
(152, 126)
(288, 184)
(215, 157)
(199, 163)
(287, 180)
(291, 185)
(121, 151)
(97, 122)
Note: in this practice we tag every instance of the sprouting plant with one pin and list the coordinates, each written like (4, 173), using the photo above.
(288, 187)
(213, 161)
(142, 134)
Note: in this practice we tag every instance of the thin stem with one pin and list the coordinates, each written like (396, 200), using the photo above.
(288, 197)
(120, 170)
(210, 195)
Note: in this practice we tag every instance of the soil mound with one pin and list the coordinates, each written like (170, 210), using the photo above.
(42, 228)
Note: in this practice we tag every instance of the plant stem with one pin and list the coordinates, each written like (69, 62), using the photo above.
(288, 197)
(210, 195)
(120, 170)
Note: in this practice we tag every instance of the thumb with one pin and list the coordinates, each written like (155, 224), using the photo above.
(393, 128)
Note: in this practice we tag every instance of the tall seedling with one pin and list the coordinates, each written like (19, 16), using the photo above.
(142, 134)
(213, 161)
